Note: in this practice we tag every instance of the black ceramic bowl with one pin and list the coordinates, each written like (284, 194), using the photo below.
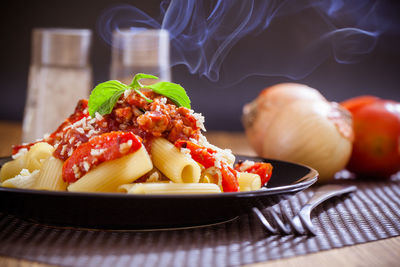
(121, 211)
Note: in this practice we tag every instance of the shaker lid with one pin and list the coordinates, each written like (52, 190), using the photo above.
(141, 47)
(61, 47)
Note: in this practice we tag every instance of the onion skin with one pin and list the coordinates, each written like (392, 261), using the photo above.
(306, 129)
(259, 113)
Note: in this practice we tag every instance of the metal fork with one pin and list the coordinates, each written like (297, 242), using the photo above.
(301, 223)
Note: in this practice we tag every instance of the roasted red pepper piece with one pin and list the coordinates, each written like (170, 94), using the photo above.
(105, 147)
(263, 169)
(206, 157)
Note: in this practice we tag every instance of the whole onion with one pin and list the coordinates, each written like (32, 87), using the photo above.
(294, 122)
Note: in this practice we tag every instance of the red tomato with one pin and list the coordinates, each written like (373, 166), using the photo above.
(376, 148)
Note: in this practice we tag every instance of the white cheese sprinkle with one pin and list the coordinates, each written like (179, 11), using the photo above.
(20, 153)
(245, 165)
(86, 166)
(154, 177)
(124, 147)
(127, 93)
(80, 130)
(186, 152)
(71, 140)
(63, 149)
(97, 152)
(76, 170)
(199, 119)
(98, 116)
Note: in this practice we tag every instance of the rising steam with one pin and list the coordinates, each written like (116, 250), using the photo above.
(227, 41)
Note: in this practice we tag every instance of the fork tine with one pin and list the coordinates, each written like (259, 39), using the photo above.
(305, 218)
(281, 226)
(264, 221)
(295, 223)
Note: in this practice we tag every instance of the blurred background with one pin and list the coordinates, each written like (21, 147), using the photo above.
(225, 52)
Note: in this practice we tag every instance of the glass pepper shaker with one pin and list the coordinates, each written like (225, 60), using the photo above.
(59, 75)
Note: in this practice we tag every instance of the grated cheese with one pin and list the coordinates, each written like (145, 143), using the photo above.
(186, 152)
(163, 100)
(98, 116)
(127, 93)
(86, 166)
(154, 177)
(63, 149)
(97, 152)
(124, 147)
(20, 153)
(199, 119)
(245, 165)
(76, 170)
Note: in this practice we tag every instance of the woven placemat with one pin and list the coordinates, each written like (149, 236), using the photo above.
(371, 213)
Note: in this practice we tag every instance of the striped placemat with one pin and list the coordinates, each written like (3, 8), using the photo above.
(371, 213)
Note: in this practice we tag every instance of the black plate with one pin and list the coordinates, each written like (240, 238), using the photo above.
(121, 211)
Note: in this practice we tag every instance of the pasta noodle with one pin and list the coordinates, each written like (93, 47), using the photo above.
(25, 180)
(124, 188)
(172, 163)
(50, 175)
(12, 168)
(173, 188)
(249, 181)
(31, 160)
(108, 176)
(37, 154)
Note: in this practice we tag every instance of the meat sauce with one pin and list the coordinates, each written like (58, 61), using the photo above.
(79, 134)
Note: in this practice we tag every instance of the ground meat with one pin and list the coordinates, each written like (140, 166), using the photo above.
(154, 122)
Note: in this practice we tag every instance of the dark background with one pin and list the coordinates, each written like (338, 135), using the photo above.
(377, 73)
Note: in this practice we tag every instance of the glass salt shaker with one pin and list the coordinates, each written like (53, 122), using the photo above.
(59, 75)
(139, 50)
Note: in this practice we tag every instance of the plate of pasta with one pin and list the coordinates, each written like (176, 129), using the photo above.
(134, 157)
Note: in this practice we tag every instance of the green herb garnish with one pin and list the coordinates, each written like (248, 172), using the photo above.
(105, 95)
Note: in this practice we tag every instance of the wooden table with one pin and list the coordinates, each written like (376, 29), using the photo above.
(379, 253)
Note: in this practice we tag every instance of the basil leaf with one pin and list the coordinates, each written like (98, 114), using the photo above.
(136, 80)
(173, 91)
(104, 96)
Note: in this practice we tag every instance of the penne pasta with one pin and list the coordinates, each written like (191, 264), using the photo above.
(25, 180)
(37, 154)
(211, 175)
(248, 181)
(31, 160)
(124, 188)
(50, 175)
(108, 176)
(174, 164)
(173, 188)
(12, 168)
